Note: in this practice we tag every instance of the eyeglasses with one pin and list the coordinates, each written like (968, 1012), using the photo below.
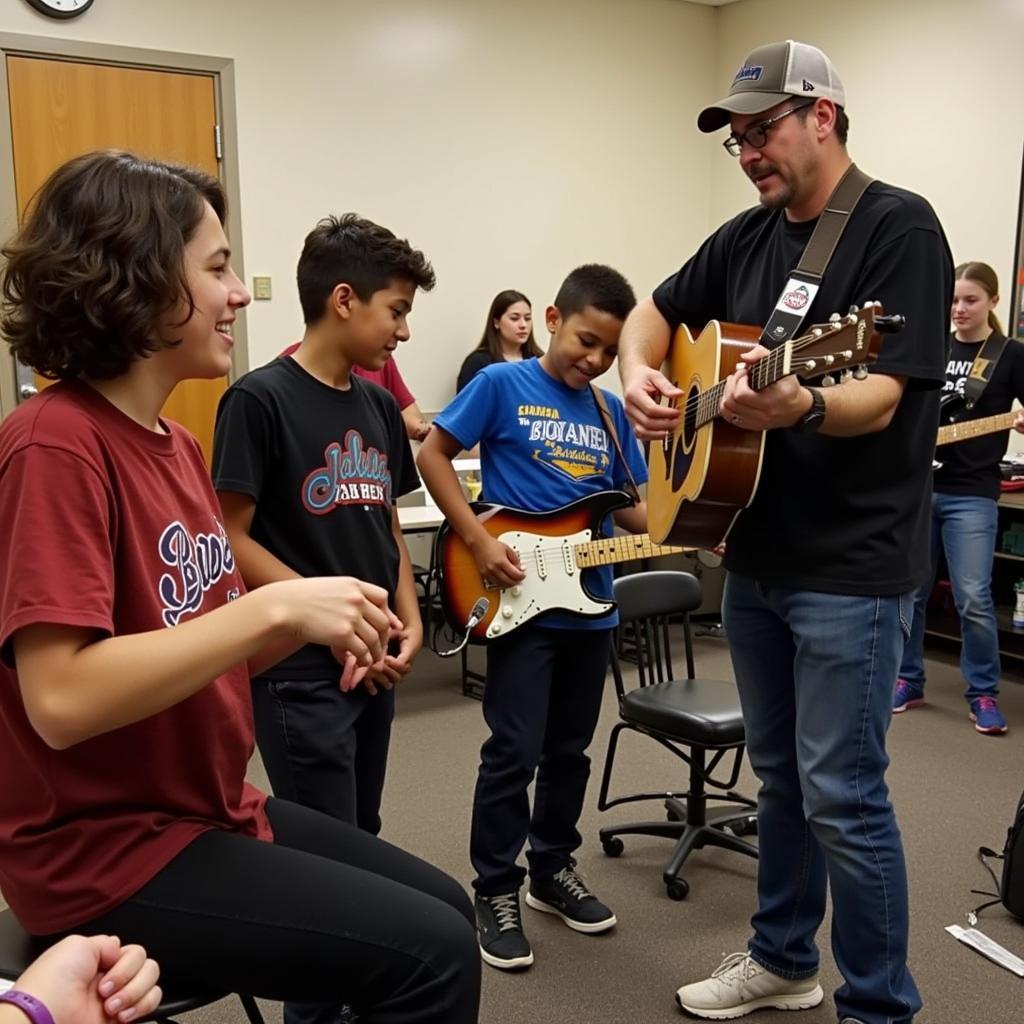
(756, 135)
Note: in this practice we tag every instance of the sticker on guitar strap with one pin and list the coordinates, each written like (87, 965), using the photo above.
(796, 296)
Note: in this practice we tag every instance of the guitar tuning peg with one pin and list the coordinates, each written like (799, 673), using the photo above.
(845, 376)
(860, 372)
(853, 309)
(828, 380)
(833, 317)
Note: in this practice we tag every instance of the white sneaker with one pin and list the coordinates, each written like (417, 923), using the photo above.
(740, 985)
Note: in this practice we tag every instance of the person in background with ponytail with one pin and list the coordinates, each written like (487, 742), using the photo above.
(964, 511)
(508, 336)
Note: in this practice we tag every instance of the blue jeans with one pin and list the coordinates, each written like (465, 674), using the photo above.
(965, 527)
(815, 675)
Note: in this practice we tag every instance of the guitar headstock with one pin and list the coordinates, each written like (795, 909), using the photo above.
(846, 344)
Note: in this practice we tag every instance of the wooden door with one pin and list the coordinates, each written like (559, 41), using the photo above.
(62, 108)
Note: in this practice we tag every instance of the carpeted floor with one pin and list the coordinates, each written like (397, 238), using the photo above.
(953, 789)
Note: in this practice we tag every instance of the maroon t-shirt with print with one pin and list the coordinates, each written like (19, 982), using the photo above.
(115, 528)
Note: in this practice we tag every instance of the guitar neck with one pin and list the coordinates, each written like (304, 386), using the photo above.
(621, 549)
(975, 428)
(773, 367)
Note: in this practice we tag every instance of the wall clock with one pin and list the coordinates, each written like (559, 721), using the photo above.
(61, 8)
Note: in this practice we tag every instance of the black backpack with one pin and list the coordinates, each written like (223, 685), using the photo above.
(1011, 887)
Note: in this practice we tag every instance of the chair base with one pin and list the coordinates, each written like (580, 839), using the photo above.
(721, 828)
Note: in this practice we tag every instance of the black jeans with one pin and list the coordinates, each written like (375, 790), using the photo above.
(325, 913)
(323, 748)
(327, 750)
(541, 701)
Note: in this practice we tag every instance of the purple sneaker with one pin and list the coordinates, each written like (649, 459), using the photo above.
(906, 696)
(986, 716)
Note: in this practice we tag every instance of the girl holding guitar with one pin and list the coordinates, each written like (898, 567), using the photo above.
(966, 488)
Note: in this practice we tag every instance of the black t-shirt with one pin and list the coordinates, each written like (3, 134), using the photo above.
(972, 466)
(471, 366)
(844, 515)
(325, 467)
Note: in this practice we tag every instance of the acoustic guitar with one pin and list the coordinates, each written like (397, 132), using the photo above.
(553, 548)
(706, 471)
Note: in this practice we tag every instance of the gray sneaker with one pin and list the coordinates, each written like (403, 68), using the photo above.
(740, 985)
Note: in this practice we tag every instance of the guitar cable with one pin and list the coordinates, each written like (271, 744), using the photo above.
(478, 611)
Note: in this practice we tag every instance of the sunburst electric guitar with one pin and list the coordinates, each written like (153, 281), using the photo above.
(553, 548)
(706, 471)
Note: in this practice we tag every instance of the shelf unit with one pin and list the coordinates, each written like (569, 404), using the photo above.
(943, 623)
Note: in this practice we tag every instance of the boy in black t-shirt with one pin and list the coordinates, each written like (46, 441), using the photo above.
(309, 460)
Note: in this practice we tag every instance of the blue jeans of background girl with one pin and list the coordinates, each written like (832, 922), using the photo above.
(815, 674)
(964, 527)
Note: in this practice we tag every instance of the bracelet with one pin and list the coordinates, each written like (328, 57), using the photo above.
(34, 1008)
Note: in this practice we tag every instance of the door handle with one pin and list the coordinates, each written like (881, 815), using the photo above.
(28, 390)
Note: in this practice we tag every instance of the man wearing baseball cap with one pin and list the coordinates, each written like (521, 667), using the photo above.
(823, 562)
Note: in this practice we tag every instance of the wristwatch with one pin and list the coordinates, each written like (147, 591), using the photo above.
(812, 420)
(29, 1005)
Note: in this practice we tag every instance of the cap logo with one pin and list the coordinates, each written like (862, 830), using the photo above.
(749, 73)
(808, 86)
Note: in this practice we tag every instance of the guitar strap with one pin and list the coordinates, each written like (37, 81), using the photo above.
(602, 407)
(983, 367)
(803, 284)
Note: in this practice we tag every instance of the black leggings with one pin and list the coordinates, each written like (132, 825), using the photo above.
(326, 913)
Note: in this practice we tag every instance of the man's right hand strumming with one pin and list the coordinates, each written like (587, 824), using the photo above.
(644, 390)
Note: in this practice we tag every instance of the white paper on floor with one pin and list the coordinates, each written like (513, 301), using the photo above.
(987, 947)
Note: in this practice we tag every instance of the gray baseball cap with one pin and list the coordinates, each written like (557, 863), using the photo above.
(771, 74)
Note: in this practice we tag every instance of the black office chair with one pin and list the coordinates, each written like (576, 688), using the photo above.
(18, 950)
(702, 715)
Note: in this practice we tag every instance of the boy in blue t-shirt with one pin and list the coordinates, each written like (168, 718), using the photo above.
(543, 444)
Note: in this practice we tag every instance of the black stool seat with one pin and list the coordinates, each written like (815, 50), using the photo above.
(18, 949)
(697, 712)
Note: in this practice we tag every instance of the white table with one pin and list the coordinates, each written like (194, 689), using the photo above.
(419, 518)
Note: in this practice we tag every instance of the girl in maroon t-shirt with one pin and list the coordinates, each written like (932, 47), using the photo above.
(125, 716)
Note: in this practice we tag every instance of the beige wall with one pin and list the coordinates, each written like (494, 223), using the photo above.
(935, 97)
(511, 141)
(514, 140)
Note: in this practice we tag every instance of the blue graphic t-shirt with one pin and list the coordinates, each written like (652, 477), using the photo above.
(542, 446)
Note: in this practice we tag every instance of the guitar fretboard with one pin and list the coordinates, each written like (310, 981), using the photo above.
(975, 428)
(764, 372)
(621, 549)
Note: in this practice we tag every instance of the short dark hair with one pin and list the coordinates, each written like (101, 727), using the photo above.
(490, 341)
(362, 254)
(595, 285)
(842, 128)
(98, 261)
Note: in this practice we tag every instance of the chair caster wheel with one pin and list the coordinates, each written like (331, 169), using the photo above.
(678, 890)
(613, 846)
(747, 827)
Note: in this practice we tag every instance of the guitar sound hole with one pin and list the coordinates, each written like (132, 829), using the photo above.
(682, 455)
